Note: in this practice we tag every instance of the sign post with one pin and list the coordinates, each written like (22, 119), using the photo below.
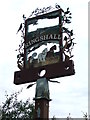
(42, 99)
(47, 49)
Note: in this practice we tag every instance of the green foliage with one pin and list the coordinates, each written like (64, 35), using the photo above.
(14, 109)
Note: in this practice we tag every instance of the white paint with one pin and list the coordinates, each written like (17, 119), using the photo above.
(42, 56)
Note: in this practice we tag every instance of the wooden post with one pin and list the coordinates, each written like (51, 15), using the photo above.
(41, 109)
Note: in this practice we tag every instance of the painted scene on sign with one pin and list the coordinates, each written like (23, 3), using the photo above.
(46, 45)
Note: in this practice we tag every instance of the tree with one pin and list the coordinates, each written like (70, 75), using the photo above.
(85, 115)
(14, 109)
(54, 118)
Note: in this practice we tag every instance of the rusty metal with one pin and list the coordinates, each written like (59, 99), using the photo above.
(56, 70)
(60, 30)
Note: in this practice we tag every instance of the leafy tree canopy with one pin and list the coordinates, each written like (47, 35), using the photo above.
(12, 109)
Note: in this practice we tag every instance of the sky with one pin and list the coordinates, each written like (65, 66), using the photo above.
(71, 95)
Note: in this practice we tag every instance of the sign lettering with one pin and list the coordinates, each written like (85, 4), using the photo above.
(43, 38)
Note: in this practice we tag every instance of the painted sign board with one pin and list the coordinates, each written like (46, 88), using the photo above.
(48, 59)
(38, 38)
(42, 36)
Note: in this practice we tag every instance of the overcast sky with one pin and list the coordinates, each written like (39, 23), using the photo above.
(71, 95)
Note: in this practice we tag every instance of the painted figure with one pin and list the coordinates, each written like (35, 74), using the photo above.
(42, 56)
(31, 58)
